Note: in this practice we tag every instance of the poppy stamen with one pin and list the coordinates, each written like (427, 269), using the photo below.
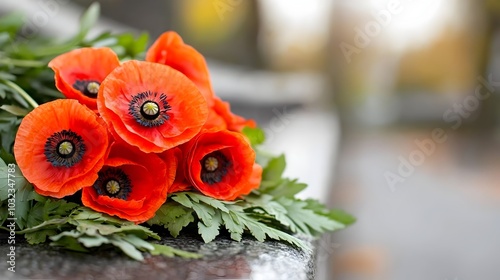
(113, 182)
(112, 187)
(149, 109)
(93, 87)
(215, 166)
(64, 148)
(211, 164)
(89, 88)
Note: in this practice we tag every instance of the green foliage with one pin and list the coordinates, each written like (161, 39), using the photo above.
(25, 79)
(173, 217)
(81, 229)
(212, 215)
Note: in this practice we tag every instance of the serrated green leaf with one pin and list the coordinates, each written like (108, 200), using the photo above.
(50, 224)
(90, 227)
(306, 219)
(217, 204)
(183, 199)
(205, 213)
(173, 217)
(232, 224)
(260, 231)
(209, 233)
(39, 236)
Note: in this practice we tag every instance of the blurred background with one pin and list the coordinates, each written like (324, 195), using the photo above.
(388, 109)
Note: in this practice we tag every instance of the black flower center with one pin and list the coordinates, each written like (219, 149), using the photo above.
(89, 88)
(149, 109)
(214, 167)
(64, 148)
(113, 182)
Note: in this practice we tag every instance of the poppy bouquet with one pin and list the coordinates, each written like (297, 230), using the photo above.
(113, 144)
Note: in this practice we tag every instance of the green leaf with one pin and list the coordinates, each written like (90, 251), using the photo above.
(341, 216)
(138, 242)
(215, 203)
(282, 188)
(39, 236)
(260, 231)
(6, 158)
(210, 232)
(23, 204)
(183, 199)
(306, 219)
(205, 213)
(173, 217)
(68, 240)
(274, 169)
(14, 186)
(93, 241)
(334, 214)
(50, 224)
(233, 225)
(88, 19)
(255, 135)
(126, 247)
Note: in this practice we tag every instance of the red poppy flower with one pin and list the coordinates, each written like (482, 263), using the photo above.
(79, 73)
(221, 164)
(132, 185)
(180, 183)
(60, 146)
(169, 49)
(220, 117)
(151, 106)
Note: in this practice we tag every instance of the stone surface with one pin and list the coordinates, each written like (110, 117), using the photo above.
(223, 259)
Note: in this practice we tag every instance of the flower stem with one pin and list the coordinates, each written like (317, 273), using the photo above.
(21, 92)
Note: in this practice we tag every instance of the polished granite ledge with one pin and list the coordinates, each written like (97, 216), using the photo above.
(223, 259)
